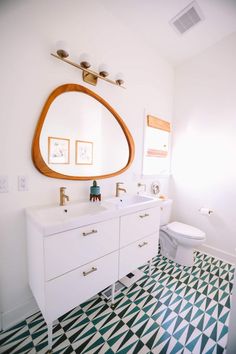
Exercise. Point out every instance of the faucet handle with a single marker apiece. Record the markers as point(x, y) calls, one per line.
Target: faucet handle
point(119, 183)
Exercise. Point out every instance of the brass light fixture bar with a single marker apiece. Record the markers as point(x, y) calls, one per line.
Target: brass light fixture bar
point(89, 76)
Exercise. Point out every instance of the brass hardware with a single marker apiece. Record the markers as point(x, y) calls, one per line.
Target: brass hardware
point(143, 244)
point(94, 269)
point(85, 64)
point(63, 196)
point(103, 70)
point(62, 53)
point(89, 75)
point(144, 215)
point(119, 189)
point(90, 78)
point(120, 82)
point(103, 73)
point(90, 232)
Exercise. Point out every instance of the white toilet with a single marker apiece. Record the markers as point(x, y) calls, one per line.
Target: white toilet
point(178, 240)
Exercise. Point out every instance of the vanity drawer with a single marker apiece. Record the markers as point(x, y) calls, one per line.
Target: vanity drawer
point(138, 225)
point(137, 254)
point(71, 249)
point(71, 289)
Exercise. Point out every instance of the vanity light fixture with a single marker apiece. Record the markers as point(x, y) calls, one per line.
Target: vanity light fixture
point(89, 76)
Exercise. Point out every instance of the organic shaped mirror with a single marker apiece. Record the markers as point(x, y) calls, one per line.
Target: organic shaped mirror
point(80, 136)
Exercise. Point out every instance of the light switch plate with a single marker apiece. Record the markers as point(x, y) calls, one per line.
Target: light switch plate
point(4, 184)
point(23, 183)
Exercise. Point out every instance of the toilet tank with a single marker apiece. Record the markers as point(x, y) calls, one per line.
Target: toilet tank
point(166, 206)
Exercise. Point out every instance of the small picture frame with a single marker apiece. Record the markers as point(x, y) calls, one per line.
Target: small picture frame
point(83, 152)
point(58, 150)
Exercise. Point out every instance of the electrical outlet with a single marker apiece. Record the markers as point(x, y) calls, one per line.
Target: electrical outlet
point(23, 183)
point(3, 184)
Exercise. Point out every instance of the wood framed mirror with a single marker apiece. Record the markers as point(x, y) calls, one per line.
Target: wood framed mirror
point(79, 136)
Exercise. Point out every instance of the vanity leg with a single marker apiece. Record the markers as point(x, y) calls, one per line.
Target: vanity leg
point(49, 325)
point(113, 295)
point(150, 267)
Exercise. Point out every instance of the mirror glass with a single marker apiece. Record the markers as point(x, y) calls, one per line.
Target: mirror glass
point(81, 137)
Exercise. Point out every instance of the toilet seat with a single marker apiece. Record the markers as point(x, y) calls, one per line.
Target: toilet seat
point(179, 229)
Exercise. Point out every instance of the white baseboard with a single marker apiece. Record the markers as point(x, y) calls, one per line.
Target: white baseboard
point(14, 316)
point(216, 252)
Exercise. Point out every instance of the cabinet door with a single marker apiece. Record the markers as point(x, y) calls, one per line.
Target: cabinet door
point(71, 249)
point(137, 254)
point(68, 291)
point(137, 225)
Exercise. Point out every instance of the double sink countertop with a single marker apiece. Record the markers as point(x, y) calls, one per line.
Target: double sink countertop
point(55, 219)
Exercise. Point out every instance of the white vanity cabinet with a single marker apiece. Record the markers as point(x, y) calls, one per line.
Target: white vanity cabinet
point(139, 234)
point(71, 289)
point(137, 225)
point(137, 254)
point(71, 249)
point(70, 265)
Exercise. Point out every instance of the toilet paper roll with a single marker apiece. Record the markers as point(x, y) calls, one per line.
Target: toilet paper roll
point(205, 211)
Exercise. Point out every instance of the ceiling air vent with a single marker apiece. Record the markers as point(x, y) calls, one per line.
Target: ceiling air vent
point(187, 18)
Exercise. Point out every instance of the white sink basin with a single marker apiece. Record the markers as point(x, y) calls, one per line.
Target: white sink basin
point(55, 219)
point(129, 200)
point(70, 211)
point(52, 219)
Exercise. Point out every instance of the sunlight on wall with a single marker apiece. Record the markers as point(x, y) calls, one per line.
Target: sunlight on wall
point(202, 158)
point(156, 156)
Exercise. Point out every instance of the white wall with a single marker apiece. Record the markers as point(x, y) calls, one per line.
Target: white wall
point(204, 145)
point(28, 31)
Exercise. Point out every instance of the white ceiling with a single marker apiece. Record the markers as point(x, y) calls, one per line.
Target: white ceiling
point(149, 19)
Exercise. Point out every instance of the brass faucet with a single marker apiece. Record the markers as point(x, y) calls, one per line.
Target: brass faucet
point(119, 189)
point(63, 196)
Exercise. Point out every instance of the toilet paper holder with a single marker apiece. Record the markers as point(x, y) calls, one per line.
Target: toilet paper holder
point(205, 211)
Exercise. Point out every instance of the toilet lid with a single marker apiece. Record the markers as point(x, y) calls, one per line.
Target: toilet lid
point(185, 230)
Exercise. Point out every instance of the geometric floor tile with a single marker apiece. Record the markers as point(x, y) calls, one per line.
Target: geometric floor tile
point(175, 310)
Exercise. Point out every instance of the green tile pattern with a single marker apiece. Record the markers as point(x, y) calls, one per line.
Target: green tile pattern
point(176, 310)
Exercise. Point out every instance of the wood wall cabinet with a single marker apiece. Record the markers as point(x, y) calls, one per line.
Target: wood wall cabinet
point(69, 267)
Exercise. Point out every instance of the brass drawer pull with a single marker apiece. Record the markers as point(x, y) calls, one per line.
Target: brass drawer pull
point(144, 215)
point(143, 244)
point(90, 232)
point(90, 271)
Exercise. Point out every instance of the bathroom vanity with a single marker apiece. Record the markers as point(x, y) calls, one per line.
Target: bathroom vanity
point(77, 250)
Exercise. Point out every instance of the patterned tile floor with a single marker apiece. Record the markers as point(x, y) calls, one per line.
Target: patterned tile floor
point(175, 310)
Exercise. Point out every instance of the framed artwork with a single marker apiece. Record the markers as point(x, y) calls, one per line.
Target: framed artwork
point(83, 152)
point(58, 150)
